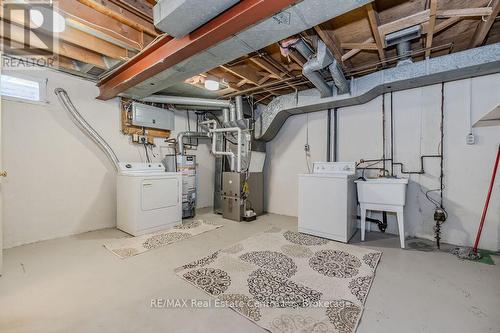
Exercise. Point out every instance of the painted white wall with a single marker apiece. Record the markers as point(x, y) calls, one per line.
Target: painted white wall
point(59, 182)
point(416, 132)
point(286, 158)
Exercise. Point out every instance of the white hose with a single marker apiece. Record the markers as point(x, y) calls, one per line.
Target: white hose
point(86, 127)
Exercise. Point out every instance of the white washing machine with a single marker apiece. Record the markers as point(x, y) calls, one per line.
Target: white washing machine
point(327, 201)
point(148, 198)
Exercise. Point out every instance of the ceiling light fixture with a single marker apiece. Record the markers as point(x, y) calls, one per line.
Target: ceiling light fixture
point(212, 83)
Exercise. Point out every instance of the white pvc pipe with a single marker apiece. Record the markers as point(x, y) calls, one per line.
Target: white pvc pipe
point(238, 154)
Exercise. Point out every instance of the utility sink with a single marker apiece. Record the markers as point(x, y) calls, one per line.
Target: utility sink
point(382, 191)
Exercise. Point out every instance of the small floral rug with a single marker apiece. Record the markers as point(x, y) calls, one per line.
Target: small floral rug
point(286, 281)
point(130, 246)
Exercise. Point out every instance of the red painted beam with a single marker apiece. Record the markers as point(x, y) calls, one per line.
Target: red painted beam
point(168, 51)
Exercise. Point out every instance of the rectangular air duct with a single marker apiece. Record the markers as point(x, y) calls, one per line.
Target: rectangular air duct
point(180, 17)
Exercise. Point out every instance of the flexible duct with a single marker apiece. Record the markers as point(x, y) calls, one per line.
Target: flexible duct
point(182, 135)
point(86, 127)
point(311, 69)
point(339, 78)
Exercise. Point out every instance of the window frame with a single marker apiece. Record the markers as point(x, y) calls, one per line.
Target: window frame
point(42, 84)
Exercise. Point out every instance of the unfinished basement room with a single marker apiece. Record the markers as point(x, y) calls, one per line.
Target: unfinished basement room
point(250, 166)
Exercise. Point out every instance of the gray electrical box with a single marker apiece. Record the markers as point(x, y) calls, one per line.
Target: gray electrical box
point(150, 116)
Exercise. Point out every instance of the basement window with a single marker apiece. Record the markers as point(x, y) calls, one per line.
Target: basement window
point(22, 88)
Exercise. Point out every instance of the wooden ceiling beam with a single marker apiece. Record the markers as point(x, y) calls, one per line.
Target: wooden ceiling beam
point(360, 46)
point(484, 27)
point(17, 34)
point(130, 20)
point(465, 12)
point(374, 21)
point(77, 37)
point(270, 69)
point(442, 25)
point(140, 8)
point(246, 75)
point(403, 23)
point(353, 52)
point(265, 79)
point(432, 23)
point(88, 20)
point(331, 41)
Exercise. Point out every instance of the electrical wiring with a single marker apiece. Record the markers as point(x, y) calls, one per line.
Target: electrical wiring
point(146, 150)
point(307, 148)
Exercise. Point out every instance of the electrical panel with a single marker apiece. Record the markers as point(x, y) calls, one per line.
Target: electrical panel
point(151, 116)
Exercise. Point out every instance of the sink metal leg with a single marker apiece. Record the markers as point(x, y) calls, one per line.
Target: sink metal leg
point(363, 222)
point(401, 227)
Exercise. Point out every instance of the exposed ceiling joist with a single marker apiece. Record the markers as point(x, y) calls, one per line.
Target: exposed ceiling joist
point(353, 52)
point(360, 46)
point(432, 23)
point(76, 37)
point(84, 18)
point(331, 42)
point(167, 52)
point(144, 26)
point(18, 33)
point(465, 12)
point(484, 26)
point(374, 23)
point(247, 75)
point(140, 8)
point(403, 23)
point(269, 68)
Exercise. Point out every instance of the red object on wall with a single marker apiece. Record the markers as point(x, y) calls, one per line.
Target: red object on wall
point(486, 204)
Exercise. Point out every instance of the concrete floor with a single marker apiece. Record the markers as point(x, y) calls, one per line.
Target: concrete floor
point(74, 285)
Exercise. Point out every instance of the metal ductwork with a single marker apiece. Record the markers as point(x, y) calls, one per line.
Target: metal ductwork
point(402, 39)
point(180, 17)
point(238, 103)
point(314, 65)
point(232, 111)
point(312, 70)
point(301, 16)
point(189, 101)
point(404, 53)
point(456, 66)
point(339, 79)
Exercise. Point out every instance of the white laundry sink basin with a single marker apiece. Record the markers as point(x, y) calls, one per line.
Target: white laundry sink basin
point(382, 191)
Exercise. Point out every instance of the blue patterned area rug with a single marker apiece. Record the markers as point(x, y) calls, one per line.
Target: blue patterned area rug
point(286, 281)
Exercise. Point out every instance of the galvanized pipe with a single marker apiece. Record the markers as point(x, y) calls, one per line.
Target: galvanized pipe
point(225, 115)
point(338, 78)
point(238, 101)
point(191, 101)
point(315, 64)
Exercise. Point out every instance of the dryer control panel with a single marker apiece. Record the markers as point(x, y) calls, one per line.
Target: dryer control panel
point(334, 167)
